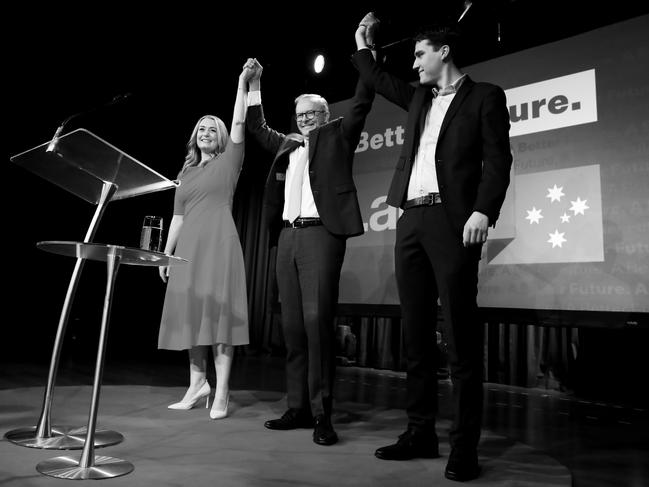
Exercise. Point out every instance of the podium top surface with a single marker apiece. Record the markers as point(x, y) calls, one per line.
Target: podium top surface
point(83, 163)
point(101, 252)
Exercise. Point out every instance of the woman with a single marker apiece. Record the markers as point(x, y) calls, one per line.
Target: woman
point(205, 303)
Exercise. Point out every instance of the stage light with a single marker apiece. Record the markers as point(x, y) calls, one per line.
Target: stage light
point(318, 64)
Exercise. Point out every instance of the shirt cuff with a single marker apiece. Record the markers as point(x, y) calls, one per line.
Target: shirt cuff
point(254, 98)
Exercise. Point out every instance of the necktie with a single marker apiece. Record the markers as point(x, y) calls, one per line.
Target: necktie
point(295, 190)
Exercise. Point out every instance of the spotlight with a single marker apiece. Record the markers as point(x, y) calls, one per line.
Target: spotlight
point(318, 64)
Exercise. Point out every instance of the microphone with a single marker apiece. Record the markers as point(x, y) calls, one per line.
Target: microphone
point(51, 147)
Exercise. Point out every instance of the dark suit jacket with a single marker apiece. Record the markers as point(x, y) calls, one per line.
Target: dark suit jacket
point(473, 156)
point(331, 154)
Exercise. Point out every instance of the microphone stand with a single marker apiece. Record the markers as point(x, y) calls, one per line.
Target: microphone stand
point(51, 147)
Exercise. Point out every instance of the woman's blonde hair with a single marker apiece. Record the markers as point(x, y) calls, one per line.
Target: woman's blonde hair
point(193, 157)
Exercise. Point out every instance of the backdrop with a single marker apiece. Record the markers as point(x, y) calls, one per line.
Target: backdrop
point(573, 233)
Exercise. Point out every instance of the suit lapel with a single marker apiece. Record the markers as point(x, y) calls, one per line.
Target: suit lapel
point(291, 142)
point(417, 110)
point(425, 108)
point(313, 141)
point(460, 96)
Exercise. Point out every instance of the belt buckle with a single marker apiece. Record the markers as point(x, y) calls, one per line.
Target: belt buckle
point(432, 199)
point(306, 222)
point(300, 223)
point(425, 200)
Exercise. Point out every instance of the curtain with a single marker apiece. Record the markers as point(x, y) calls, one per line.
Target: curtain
point(259, 259)
point(531, 356)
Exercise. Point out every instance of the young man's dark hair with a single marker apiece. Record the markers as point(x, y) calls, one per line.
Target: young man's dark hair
point(442, 35)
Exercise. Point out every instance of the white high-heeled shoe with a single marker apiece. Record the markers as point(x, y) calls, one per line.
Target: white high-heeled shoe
point(219, 413)
point(203, 392)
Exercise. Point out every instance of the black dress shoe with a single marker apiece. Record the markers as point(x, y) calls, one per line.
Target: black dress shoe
point(410, 445)
point(290, 420)
point(462, 466)
point(323, 433)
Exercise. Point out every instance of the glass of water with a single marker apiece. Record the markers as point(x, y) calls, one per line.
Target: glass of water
point(151, 236)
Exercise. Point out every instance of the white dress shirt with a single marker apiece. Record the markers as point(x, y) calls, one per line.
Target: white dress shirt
point(307, 205)
point(423, 178)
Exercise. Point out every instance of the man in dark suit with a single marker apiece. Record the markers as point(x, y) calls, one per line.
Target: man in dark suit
point(311, 208)
point(450, 180)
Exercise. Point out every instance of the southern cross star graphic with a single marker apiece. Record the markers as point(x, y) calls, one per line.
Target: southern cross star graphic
point(579, 206)
point(534, 216)
point(557, 216)
point(555, 193)
point(556, 238)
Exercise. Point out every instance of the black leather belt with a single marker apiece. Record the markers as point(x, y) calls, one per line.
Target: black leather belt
point(302, 222)
point(426, 200)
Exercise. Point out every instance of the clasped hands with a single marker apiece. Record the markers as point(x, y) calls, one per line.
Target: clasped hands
point(252, 70)
point(365, 32)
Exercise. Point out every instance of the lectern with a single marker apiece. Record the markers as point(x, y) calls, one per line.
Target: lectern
point(97, 172)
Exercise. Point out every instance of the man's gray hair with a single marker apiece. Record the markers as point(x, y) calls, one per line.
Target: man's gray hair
point(315, 98)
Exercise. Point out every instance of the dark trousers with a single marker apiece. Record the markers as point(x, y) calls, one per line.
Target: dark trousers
point(432, 263)
point(308, 272)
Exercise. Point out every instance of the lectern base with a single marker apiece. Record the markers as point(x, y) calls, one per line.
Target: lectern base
point(63, 438)
point(68, 468)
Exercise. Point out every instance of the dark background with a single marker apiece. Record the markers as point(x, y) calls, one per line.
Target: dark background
point(178, 63)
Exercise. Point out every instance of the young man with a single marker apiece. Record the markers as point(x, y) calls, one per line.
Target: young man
point(450, 181)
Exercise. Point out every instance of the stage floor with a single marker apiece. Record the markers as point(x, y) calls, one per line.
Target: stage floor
point(531, 437)
point(170, 448)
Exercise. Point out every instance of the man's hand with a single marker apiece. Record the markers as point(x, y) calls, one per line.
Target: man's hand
point(256, 69)
point(366, 30)
point(360, 36)
point(247, 71)
point(475, 229)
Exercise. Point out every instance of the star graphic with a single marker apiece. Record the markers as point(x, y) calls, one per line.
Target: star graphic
point(555, 193)
point(579, 206)
point(565, 218)
point(556, 239)
point(534, 216)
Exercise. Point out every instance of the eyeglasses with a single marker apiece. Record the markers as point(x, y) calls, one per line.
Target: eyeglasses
point(309, 115)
